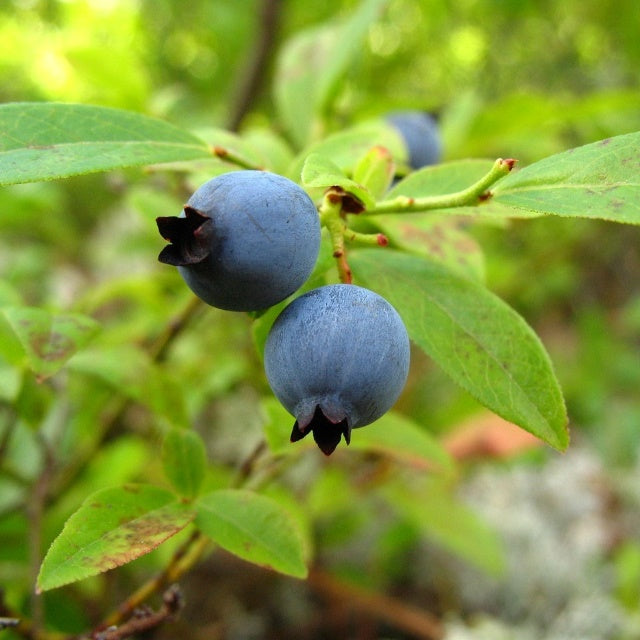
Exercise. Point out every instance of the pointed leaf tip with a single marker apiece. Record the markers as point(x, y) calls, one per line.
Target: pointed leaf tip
point(111, 528)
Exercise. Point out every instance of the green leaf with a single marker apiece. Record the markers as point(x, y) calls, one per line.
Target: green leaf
point(10, 382)
point(483, 344)
point(310, 68)
point(44, 141)
point(112, 527)
point(255, 528)
point(275, 151)
point(9, 296)
point(11, 348)
point(375, 171)
point(116, 462)
point(598, 180)
point(48, 339)
point(185, 461)
point(320, 172)
point(439, 238)
point(396, 436)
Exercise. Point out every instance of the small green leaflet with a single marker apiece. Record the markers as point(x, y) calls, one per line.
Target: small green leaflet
point(112, 527)
point(47, 339)
point(320, 172)
point(345, 148)
point(375, 171)
point(255, 528)
point(483, 344)
point(598, 180)
point(45, 141)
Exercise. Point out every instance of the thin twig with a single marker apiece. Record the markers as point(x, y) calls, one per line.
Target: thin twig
point(182, 560)
point(35, 511)
point(144, 619)
point(420, 624)
point(257, 70)
point(249, 464)
point(7, 432)
point(472, 195)
point(174, 328)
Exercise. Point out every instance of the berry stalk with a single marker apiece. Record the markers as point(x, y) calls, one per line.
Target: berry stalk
point(472, 195)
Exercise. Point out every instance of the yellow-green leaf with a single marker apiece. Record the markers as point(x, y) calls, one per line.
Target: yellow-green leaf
point(255, 528)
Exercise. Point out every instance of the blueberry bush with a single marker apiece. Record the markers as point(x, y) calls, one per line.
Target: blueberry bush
point(145, 428)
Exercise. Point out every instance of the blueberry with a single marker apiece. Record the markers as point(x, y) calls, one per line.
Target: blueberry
point(337, 358)
point(245, 241)
point(420, 133)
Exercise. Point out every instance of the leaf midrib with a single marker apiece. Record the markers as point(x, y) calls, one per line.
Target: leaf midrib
point(493, 358)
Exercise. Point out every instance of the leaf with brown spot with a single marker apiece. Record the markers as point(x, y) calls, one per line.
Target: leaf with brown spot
point(441, 238)
point(48, 339)
point(112, 527)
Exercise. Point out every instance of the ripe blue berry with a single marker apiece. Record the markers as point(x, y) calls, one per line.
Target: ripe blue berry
point(337, 358)
point(245, 241)
point(421, 135)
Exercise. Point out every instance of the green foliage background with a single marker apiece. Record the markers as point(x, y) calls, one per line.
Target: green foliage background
point(511, 78)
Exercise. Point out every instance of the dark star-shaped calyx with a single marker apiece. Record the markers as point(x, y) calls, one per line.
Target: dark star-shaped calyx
point(189, 237)
point(326, 432)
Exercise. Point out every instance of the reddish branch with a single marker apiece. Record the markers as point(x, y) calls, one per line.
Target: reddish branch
point(409, 619)
point(144, 618)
